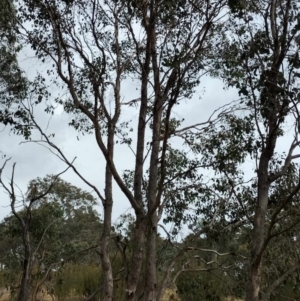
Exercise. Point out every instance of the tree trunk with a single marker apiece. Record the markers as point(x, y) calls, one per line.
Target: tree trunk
point(24, 292)
point(254, 281)
point(104, 254)
point(258, 240)
point(150, 274)
point(134, 273)
point(107, 293)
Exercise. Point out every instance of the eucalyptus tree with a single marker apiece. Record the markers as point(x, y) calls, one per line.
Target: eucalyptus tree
point(261, 60)
point(13, 84)
point(24, 223)
point(93, 47)
point(57, 222)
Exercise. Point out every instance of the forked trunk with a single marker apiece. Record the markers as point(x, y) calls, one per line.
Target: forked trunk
point(135, 267)
point(150, 269)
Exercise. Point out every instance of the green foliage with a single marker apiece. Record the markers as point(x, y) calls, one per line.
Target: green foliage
point(226, 145)
point(201, 286)
point(13, 84)
point(76, 280)
point(62, 225)
point(246, 52)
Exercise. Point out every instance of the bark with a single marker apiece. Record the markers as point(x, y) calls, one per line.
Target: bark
point(37, 286)
point(150, 288)
point(150, 272)
point(135, 267)
point(24, 292)
point(258, 233)
point(107, 293)
point(140, 147)
point(259, 241)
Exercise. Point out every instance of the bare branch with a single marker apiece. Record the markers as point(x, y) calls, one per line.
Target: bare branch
point(43, 235)
point(279, 281)
point(288, 160)
point(226, 109)
point(216, 252)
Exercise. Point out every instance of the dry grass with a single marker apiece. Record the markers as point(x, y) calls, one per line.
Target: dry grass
point(4, 295)
point(170, 295)
point(231, 298)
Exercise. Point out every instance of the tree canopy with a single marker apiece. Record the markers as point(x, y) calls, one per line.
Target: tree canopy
point(185, 176)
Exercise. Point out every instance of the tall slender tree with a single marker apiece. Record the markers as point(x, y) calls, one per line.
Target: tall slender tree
point(94, 46)
point(261, 59)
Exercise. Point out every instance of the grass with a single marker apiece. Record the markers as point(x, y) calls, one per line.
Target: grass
point(170, 295)
point(4, 295)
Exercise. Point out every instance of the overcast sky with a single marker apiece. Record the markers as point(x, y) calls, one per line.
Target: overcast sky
point(36, 161)
point(33, 161)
